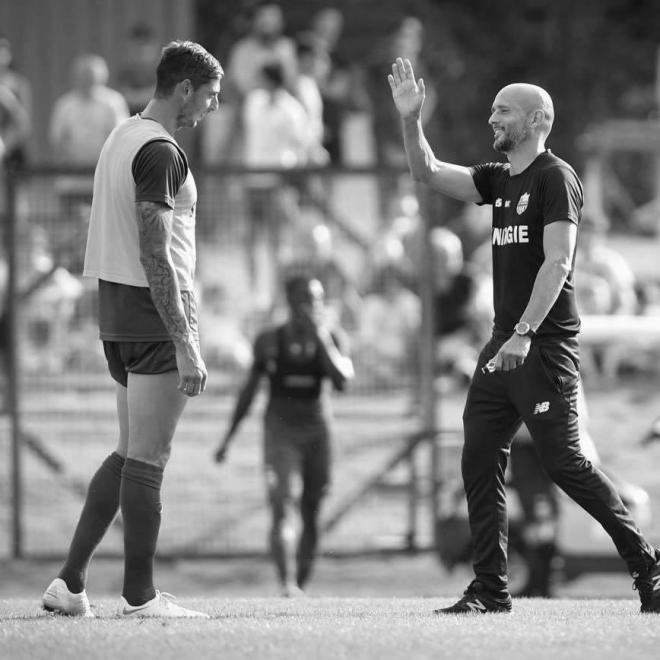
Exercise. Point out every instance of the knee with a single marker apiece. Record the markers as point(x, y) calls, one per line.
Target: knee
point(281, 506)
point(158, 456)
point(560, 468)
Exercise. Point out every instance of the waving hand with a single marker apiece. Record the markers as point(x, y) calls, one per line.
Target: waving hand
point(408, 94)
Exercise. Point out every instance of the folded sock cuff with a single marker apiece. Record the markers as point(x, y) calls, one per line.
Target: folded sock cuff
point(142, 473)
point(114, 463)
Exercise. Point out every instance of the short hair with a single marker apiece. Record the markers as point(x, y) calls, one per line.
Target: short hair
point(298, 285)
point(181, 60)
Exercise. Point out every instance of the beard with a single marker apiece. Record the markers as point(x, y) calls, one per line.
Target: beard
point(509, 140)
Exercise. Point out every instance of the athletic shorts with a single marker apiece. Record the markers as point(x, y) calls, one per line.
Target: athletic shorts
point(297, 459)
point(139, 357)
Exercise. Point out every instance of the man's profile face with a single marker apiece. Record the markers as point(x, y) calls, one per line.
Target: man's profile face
point(199, 103)
point(509, 123)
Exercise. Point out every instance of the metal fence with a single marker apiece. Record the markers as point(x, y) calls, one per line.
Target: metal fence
point(58, 418)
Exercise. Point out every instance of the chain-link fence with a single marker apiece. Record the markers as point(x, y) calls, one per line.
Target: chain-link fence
point(253, 229)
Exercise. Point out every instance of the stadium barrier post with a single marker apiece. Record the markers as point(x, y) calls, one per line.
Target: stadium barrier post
point(12, 376)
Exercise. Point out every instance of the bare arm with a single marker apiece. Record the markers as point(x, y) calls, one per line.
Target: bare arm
point(408, 95)
point(559, 239)
point(155, 231)
point(241, 408)
point(246, 395)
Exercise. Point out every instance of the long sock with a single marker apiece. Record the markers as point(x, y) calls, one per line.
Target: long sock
point(141, 512)
point(100, 509)
point(308, 542)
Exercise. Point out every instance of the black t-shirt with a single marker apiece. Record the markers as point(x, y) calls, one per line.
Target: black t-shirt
point(159, 170)
point(547, 191)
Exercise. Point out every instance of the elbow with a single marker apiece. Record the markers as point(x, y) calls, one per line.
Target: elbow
point(561, 266)
point(564, 266)
point(154, 255)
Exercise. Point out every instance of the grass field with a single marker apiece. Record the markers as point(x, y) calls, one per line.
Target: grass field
point(336, 628)
point(357, 608)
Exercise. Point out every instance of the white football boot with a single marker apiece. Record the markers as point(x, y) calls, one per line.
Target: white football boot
point(161, 606)
point(57, 598)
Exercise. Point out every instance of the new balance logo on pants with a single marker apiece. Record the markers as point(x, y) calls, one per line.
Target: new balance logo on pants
point(541, 407)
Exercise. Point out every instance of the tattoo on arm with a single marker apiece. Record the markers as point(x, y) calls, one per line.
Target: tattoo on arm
point(154, 230)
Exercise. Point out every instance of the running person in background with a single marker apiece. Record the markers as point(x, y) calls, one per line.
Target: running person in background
point(296, 356)
point(528, 371)
point(141, 248)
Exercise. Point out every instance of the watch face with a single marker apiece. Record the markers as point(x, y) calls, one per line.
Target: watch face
point(522, 328)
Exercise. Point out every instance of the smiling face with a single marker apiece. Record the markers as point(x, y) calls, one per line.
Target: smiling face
point(520, 112)
point(509, 121)
point(197, 103)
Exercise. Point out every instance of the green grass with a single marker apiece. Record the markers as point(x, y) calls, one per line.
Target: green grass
point(336, 628)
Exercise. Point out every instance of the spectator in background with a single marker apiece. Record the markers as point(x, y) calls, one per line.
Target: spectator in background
point(296, 357)
point(135, 75)
point(313, 67)
point(80, 122)
point(463, 307)
point(342, 88)
point(604, 284)
point(14, 127)
point(14, 131)
point(389, 324)
point(264, 44)
point(406, 40)
point(276, 136)
point(604, 281)
point(225, 344)
point(84, 117)
point(16, 113)
point(52, 292)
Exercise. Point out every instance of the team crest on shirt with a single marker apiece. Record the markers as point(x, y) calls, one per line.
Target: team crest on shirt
point(522, 203)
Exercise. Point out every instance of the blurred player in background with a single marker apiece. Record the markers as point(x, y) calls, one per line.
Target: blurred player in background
point(528, 371)
point(141, 248)
point(296, 357)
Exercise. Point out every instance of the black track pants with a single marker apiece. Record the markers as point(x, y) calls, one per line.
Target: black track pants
point(542, 392)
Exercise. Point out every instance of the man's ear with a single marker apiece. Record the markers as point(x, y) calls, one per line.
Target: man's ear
point(537, 117)
point(185, 87)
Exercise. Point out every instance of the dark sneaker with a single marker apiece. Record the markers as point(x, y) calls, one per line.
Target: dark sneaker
point(648, 586)
point(478, 600)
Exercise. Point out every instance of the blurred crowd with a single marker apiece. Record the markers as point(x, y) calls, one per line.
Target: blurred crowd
point(289, 102)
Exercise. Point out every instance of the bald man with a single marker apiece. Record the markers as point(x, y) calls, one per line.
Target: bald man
point(528, 370)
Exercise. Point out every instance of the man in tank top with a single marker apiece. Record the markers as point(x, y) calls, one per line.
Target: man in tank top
point(141, 249)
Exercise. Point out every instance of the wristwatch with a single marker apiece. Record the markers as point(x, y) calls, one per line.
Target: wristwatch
point(523, 329)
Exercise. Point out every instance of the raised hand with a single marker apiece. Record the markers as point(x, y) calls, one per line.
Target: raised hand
point(408, 94)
